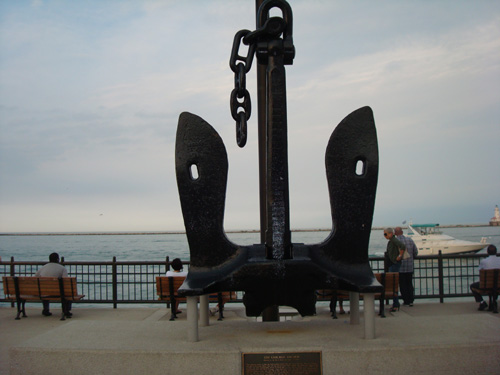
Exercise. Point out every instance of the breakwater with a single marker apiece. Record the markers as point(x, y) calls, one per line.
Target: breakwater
point(136, 233)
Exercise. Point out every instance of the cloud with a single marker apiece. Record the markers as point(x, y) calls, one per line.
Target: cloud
point(90, 97)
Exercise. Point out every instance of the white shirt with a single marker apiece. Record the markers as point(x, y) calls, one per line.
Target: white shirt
point(177, 274)
point(489, 263)
point(52, 270)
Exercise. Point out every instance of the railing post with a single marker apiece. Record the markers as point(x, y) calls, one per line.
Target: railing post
point(441, 277)
point(167, 268)
point(115, 283)
point(12, 268)
point(12, 273)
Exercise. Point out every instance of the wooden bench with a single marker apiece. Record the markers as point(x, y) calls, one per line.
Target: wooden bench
point(22, 289)
point(166, 289)
point(489, 280)
point(389, 280)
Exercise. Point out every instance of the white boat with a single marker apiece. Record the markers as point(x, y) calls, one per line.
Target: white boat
point(430, 240)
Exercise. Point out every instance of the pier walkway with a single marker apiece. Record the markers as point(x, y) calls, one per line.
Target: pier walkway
point(429, 338)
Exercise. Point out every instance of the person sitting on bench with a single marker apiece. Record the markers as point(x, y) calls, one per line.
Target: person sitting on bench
point(177, 272)
point(491, 262)
point(53, 269)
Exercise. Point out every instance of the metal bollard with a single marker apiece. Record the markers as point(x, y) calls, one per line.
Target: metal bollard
point(354, 306)
point(204, 315)
point(192, 318)
point(369, 313)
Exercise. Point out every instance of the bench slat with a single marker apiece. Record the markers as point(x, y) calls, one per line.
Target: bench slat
point(37, 289)
point(390, 280)
point(41, 288)
point(163, 289)
point(168, 293)
point(391, 283)
point(391, 288)
point(487, 278)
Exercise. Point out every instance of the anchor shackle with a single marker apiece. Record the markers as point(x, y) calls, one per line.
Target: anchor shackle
point(263, 17)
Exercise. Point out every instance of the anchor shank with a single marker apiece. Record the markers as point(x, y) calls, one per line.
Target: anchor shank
point(278, 237)
point(261, 121)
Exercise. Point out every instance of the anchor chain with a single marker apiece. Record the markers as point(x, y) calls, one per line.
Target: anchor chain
point(240, 102)
point(240, 97)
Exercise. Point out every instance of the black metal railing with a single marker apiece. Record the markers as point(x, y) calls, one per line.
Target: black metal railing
point(115, 282)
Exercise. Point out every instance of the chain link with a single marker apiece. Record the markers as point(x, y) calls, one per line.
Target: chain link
point(240, 103)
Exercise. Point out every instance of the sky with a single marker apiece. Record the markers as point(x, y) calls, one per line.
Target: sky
point(91, 92)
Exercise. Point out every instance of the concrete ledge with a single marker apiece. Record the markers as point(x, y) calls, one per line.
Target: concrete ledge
point(415, 360)
point(434, 338)
point(36, 361)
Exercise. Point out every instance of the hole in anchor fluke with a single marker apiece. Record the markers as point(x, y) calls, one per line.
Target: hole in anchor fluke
point(360, 167)
point(193, 171)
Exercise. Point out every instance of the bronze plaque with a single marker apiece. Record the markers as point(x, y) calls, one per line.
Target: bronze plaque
point(299, 363)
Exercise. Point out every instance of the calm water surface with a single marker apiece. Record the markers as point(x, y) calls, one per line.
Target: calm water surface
point(158, 246)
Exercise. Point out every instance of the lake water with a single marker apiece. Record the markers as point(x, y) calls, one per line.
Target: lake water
point(156, 247)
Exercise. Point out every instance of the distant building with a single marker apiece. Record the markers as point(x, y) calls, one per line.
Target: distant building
point(495, 220)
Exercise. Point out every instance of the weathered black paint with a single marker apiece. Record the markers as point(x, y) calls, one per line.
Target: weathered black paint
point(278, 272)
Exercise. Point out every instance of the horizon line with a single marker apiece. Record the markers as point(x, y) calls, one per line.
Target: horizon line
point(111, 233)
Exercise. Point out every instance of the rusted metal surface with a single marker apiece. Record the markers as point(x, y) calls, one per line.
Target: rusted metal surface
point(276, 272)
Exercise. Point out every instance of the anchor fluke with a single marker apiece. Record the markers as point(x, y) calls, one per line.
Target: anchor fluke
point(202, 194)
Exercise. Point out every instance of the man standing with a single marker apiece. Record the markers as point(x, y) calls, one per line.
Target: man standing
point(395, 250)
point(406, 270)
point(53, 269)
point(491, 262)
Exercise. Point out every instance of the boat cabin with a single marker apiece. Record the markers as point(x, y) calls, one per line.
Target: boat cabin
point(424, 229)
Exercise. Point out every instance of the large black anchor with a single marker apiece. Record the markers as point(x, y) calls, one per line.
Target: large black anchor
point(276, 272)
